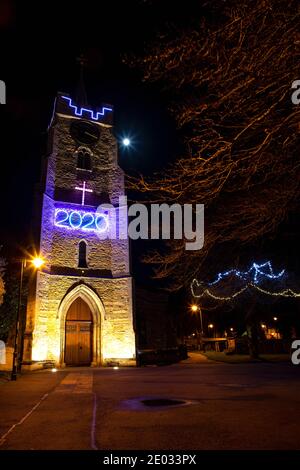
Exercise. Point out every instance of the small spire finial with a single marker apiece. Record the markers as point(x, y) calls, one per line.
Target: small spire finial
point(81, 96)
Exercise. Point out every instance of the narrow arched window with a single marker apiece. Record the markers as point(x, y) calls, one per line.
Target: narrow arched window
point(84, 160)
point(82, 262)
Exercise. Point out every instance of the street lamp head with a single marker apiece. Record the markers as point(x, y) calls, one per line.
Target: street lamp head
point(37, 262)
point(275, 318)
point(194, 308)
point(210, 325)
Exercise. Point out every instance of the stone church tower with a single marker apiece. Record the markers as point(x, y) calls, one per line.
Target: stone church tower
point(80, 310)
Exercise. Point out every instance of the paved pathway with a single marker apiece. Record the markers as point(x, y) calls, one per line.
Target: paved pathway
point(196, 358)
point(228, 406)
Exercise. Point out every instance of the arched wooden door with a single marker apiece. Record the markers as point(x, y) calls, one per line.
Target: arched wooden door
point(79, 333)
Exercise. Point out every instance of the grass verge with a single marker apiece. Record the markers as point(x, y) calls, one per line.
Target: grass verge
point(244, 358)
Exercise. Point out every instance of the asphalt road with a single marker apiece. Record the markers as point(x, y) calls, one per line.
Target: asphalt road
point(228, 406)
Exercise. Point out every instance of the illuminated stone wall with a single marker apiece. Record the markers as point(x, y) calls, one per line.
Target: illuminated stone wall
point(116, 326)
point(107, 178)
point(44, 338)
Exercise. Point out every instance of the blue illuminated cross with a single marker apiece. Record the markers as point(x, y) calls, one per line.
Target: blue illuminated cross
point(84, 190)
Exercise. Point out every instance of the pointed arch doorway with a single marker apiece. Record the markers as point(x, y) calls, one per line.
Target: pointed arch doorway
point(79, 334)
point(96, 306)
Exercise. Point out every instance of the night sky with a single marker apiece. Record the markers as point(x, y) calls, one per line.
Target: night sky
point(40, 42)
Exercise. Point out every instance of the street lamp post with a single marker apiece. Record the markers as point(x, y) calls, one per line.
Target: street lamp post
point(211, 327)
point(15, 353)
point(37, 263)
point(201, 320)
point(276, 327)
point(197, 308)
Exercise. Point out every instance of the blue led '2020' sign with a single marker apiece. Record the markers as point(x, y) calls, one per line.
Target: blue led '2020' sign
point(80, 220)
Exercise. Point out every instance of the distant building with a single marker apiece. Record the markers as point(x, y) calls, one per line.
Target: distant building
point(156, 326)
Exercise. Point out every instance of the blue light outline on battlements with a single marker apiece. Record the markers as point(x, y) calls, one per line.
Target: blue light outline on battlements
point(79, 111)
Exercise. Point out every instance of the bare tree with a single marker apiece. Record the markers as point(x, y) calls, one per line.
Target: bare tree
point(249, 291)
point(229, 84)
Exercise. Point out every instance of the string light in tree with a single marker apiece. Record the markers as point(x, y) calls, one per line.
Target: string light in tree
point(209, 293)
point(283, 293)
point(256, 270)
point(255, 274)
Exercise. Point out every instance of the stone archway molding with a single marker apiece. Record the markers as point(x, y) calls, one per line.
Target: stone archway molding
point(98, 313)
